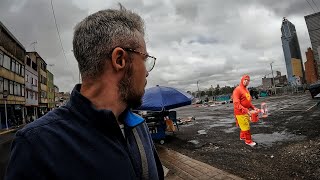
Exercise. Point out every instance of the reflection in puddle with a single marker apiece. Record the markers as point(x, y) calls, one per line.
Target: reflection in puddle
point(269, 139)
point(202, 132)
point(194, 142)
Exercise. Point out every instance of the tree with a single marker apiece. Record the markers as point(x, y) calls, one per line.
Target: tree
point(203, 93)
point(217, 90)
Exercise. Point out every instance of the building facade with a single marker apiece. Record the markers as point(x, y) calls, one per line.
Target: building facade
point(296, 67)
point(313, 25)
point(31, 82)
point(50, 91)
point(311, 67)
point(56, 96)
point(291, 49)
point(42, 86)
point(279, 81)
point(12, 85)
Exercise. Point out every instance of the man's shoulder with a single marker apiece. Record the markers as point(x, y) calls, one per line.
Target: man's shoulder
point(47, 121)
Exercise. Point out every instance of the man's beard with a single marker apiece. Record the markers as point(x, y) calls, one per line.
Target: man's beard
point(128, 94)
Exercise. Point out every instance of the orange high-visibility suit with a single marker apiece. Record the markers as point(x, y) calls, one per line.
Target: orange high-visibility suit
point(242, 102)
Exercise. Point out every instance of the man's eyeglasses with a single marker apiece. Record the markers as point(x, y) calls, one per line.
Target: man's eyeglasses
point(149, 61)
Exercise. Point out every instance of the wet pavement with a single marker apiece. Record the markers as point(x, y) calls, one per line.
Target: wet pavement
point(288, 139)
point(183, 167)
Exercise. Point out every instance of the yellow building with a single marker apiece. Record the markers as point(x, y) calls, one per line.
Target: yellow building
point(297, 69)
point(12, 84)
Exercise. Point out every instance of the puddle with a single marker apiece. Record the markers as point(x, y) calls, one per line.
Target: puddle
point(195, 142)
point(230, 130)
point(269, 139)
point(202, 132)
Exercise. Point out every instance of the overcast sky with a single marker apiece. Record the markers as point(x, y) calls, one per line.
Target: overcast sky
point(210, 41)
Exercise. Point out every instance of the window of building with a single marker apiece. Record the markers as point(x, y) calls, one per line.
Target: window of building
point(11, 90)
point(22, 90)
point(1, 58)
point(5, 84)
point(27, 93)
point(27, 77)
point(34, 66)
point(1, 85)
point(36, 96)
point(18, 89)
point(31, 80)
point(13, 65)
point(22, 70)
point(6, 62)
point(18, 68)
point(28, 61)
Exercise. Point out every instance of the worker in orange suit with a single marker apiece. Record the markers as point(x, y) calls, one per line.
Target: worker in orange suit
point(242, 104)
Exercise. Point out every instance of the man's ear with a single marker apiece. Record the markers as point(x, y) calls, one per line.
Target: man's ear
point(118, 59)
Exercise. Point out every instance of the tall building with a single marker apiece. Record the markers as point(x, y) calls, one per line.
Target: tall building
point(31, 81)
point(313, 25)
point(42, 86)
point(311, 67)
point(12, 85)
point(296, 67)
point(291, 49)
point(50, 90)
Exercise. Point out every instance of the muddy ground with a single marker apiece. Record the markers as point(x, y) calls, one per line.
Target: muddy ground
point(288, 139)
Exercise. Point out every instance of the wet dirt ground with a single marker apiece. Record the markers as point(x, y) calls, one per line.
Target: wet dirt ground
point(288, 139)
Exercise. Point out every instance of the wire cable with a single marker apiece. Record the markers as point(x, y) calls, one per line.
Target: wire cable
point(55, 22)
point(315, 5)
point(310, 6)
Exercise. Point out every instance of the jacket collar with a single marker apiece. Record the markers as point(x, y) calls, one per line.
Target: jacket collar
point(99, 117)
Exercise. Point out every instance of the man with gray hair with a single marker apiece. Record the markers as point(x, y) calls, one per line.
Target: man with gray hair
point(95, 135)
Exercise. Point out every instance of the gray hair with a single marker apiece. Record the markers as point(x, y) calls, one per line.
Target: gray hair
point(98, 34)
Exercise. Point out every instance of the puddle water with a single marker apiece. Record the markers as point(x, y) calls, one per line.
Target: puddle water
point(269, 139)
point(202, 132)
point(194, 142)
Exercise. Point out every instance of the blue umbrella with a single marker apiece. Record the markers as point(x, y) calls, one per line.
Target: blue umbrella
point(161, 98)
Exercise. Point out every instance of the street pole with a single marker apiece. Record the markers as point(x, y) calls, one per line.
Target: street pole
point(275, 89)
point(5, 109)
point(198, 89)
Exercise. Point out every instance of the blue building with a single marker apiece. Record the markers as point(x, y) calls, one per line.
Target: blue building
point(291, 49)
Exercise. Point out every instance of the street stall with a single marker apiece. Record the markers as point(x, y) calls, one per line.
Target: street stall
point(156, 105)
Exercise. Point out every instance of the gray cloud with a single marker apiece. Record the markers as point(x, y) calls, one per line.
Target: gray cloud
point(215, 42)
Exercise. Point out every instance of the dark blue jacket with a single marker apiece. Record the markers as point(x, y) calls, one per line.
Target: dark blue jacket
point(78, 141)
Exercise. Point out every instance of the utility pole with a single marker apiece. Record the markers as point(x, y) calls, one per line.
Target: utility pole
point(275, 89)
point(198, 89)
